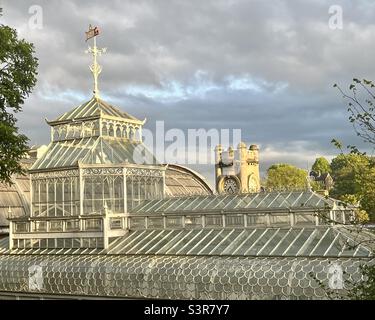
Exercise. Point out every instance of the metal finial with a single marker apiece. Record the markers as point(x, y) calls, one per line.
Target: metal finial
point(95, 68)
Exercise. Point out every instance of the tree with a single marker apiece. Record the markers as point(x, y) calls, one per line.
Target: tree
point(321, 165)
point(367, 191)
point(355, 173)
point(361, 109)
point(354, 176)
point(364, 290)
point(347, 171)
point(285, 177)
point(18, 70)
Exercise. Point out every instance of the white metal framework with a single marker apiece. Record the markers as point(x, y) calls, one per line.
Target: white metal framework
point(93, 172)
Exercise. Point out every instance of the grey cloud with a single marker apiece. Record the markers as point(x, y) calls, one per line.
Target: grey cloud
point(154, 43)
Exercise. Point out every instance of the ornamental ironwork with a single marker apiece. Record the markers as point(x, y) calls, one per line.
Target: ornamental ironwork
point(102, 171)
point(54, 174)
point(143, 172)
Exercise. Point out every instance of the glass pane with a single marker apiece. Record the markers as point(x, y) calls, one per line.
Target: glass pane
point(280, 220)
point(214, 221)
point(56, 225)
point(274, 242)
point(167, 239)
point(137, 223)
point(209, 236)
point(155, 239)
point(245, 244)
point(142, 242)
point(285, 244)
point(304, 219)
point(40, 226)
point(186, 236)
point(22, 227)
point(256, 220)
point(215, 241)
point(174, 221)
point(336, 248)
point(255, 247)
point(306, 239)
point(155, 222)
point(116, 223)
point(324, 244)
point(93, 224)
point(43, 191)
point(193, 242)
point(51, 243)
point(72, 225)
point(193, 221)
point(228, 242)
point(236, 220)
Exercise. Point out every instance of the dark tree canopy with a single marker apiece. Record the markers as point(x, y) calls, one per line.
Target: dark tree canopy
point(18, 70)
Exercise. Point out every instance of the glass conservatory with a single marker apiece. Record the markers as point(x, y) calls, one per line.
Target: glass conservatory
point(94, 171)
point(102, 218)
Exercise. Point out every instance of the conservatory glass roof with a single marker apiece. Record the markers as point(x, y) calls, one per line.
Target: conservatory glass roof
point(255, 201)
point(93, 150)
point(15, 197)
point(177, 277)
point(315, 242)
point(291, 242)
point(181, 181)
point(92, 108)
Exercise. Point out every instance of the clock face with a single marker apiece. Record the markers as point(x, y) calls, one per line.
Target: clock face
point(230, 186)
point(253, 184)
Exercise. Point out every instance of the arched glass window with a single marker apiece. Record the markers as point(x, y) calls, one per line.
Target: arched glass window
point(104, 129)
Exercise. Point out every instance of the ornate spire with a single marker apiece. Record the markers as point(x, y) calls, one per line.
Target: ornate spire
point(95, 68)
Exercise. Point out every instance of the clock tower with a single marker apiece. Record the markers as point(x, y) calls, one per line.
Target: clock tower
point(237, 171)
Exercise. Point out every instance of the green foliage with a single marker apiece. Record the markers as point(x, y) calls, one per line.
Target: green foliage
point(285, 177)
point(350, 199)
point(317, 185)
point(337, 144)
point(18, 70)
point(347, 172)
point(321, 165)
point(364, 289)
point(367, 192)
point(354, 173)
point(362, 216)
point(354, 176)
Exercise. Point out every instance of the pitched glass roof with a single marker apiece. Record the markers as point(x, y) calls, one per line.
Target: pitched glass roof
point(99, 150)
point(264, 242)
point(255, 201)
point(92, 108)
point(65, 153)
point(291, 242)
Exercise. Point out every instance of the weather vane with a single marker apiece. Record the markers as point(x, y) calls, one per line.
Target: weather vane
point(95, 68)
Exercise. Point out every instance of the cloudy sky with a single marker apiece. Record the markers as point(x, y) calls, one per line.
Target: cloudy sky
point(265, 67)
